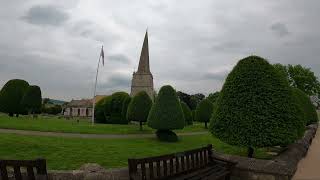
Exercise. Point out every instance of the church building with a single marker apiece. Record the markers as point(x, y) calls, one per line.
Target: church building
point(142, 80)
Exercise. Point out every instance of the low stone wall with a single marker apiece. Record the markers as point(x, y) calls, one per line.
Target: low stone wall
point(281, 167)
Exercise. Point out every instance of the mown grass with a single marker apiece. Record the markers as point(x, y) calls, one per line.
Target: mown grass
point(71, 153)
point(54, 124)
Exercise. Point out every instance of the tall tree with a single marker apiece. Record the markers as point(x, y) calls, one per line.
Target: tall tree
point(139, 108)
point(300, 77)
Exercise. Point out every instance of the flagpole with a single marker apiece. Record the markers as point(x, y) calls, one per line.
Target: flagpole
point(94, 92)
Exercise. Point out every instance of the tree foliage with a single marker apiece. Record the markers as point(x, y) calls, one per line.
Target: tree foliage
point(139, 108)
point(300, 77)
point(166, 113)
point(204, 111)
point(306, 107)
point(187, 113)
point(11, 95)
point(125, 106)
point(99, 108)
point(113, 108)
point(256, 107)
point(32, 99)
point(213, 96)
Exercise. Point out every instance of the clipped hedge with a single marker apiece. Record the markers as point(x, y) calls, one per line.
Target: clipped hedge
point(166, 113)
point(204, 111)
point(11, 96)
point(139, 108)
point(99, 108)
point(187, 113)
point(125, 106)
point(32, 99)
point(308, 110)
point(113, 108)
point(256, 107)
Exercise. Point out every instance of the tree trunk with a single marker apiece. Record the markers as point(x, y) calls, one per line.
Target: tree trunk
point(205, 125)
point(11, 114)
point(140, 126)
point(250, 152)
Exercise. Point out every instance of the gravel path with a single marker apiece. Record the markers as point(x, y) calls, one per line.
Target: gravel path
point(309, 167)
point(96, 136)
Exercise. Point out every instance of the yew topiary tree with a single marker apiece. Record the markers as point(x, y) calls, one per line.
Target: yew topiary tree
point(11, 95)
point(32, 99)
point(308, 109)
point(99, 110)
point(139, 108)
point(187, 113)
point(204, 111)
point(125, 106)
point(113, 108)
point(166, 114)
point(256, 107)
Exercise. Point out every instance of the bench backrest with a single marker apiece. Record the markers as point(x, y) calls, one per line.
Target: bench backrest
point(170, 165)
point(30, 165)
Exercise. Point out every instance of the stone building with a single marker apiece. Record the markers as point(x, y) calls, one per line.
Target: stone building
point(78, 108)
point(142, 80)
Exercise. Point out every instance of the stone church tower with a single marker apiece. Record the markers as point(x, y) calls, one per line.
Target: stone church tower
point(142, 80)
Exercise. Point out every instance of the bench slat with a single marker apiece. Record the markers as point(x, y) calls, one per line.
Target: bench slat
point(17, 172)
point(193, 164)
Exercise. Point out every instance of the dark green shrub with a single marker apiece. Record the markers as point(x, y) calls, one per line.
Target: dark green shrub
point(308, 110)
point(204, 111)
point(166, 113)
point(256, 107)
point(54, 110)
point(32, 99)
point(166, 135)
point(139, 108)
point(125, 106)
point(187, 113)
point(99, 116)
point(113, 108)
point(11, 95)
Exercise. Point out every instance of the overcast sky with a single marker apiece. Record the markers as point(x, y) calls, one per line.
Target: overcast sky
point(193, 44)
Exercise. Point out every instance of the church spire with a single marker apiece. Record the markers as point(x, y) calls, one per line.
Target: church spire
point(144, 57)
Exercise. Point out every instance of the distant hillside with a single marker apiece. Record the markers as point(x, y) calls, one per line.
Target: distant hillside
point(56, 102)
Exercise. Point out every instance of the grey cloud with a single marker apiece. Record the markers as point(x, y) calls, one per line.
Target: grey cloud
point(118, 58)
point(46, 15)
point(116, 82)
point(216, 75)
point(279, 29)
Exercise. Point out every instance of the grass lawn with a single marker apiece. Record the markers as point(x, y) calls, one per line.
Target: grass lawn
point(53, 124)
point(71, 153)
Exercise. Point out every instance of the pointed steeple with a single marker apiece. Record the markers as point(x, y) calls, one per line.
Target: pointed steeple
point(144, 57)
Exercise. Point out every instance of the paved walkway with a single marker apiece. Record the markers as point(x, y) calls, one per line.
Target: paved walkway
point(96, 136)
point(309, 167)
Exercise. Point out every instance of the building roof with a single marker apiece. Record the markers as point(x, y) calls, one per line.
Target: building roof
point(80, 103)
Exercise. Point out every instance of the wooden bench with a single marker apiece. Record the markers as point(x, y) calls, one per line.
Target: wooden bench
point(193, 164)
point(29, 165)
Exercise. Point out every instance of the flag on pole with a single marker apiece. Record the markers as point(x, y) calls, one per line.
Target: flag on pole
point(102, 55)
